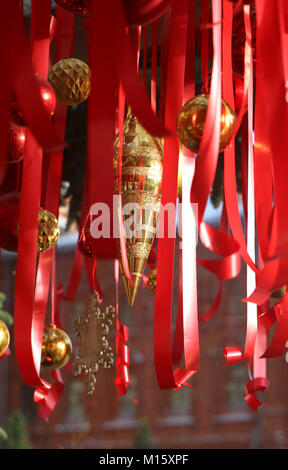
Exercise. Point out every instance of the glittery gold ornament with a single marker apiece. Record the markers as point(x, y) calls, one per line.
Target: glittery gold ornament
point(141, 181)
point(4, 338)
point(152, 276)
point(191, 121)
point(70, 79)
point(94, 350)
point(56, 348)
point(48, 230)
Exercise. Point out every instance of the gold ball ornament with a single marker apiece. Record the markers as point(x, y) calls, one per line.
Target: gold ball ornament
point(48, 230)
point(191, 121)
point(4, 338)
point(152, 276)
point(70, 79)
point(56, 348)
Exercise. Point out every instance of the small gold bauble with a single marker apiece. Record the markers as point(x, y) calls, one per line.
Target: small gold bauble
point(48, 230)
point(56, 348)
point(152, 276)
point(191, 121)
point(4, 338)
point(70, 79)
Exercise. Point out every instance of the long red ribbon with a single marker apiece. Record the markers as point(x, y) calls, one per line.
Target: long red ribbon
point(28, 345)
point(23, 79)
point(167, 377)
point(251, 332)
point(28, 327)
point(122, 380)
point(47, 261)
point(270, 145)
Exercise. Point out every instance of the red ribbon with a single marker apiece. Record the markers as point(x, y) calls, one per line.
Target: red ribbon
point(259, 367)
point(6, 31)
point(164, 62)
point(122, 380)
point(167, 377)
point(258, 384)
point(5, 354)
point(228, 266)
point(280, 313)
point(204, 42)
point(230, 189)
point(271, 120)
point(23, 79)
point(47, 396)
point(47, 262)
point(216, 240)
point(29, 326)
point(229, 155)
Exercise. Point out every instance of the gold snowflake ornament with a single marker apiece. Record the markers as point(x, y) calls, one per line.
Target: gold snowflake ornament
point(93, 348)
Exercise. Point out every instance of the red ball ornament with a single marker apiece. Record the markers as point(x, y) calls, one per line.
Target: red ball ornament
point(138, 12)
point(238, 36)
point(16, 143)
point(85, 242)
point(9, 219)
point(47, 96)
point(78, 7)
point(141, 12)
point(238, 88)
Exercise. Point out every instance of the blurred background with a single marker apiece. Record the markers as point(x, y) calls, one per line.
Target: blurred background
point(210, 414)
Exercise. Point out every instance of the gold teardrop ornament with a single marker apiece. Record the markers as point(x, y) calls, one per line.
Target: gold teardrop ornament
point(141, 182)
